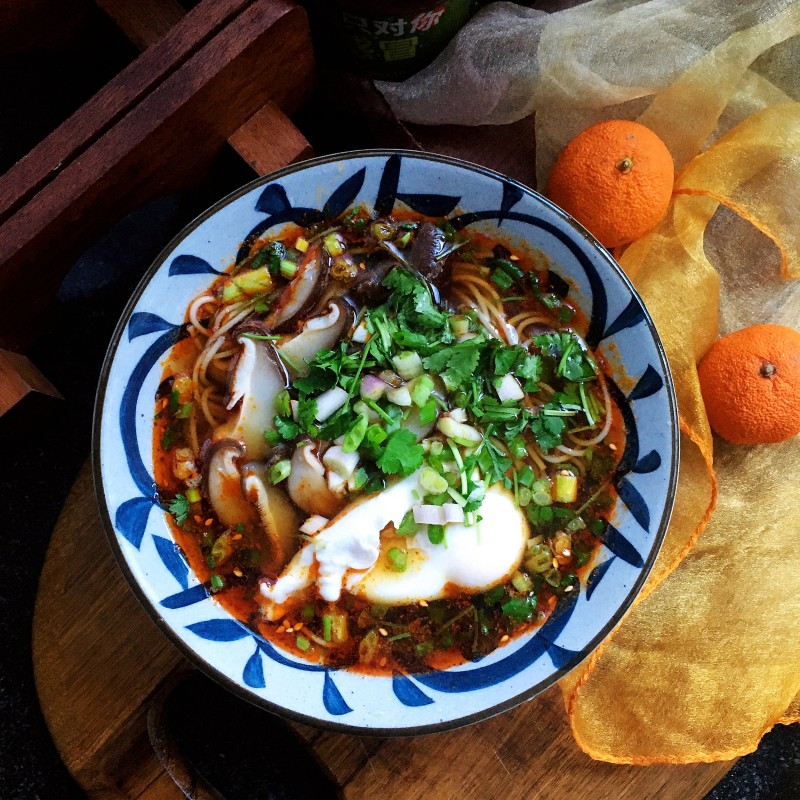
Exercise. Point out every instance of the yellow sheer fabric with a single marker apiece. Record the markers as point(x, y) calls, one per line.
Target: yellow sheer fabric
point(709, 657)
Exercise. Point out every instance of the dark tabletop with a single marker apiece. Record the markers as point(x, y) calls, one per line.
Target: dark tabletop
point(42, 457)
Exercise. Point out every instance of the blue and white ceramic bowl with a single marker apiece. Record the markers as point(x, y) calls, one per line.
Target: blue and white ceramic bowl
point(235, 655)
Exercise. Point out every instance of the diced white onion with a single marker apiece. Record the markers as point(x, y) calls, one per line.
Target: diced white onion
point(458, 414)
point(360, 334)
point(459, 430)
point(372, 388)
point(509, 389)
point(399, 395)
point(428, 515)
point(314, 524)
point(453, 512)
point(295, 406)
point(336, 460)
point(330, 402)
point(408, 365)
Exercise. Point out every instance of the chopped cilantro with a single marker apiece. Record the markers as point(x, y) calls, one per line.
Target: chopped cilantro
point(547, 429)
point(457, 363)
point(179, 508)
point(287, 429)
point(307, 414)
point(412, 302)
point(402, 454)
point(169, 437)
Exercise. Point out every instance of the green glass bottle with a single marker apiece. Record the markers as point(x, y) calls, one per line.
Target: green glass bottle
point(392, 39)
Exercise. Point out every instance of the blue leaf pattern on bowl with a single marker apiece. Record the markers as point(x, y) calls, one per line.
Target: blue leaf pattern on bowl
point(172, 559)
point(408, 693)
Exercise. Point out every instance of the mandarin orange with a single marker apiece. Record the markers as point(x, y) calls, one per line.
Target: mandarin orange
point(616, 179)
point(750, 381)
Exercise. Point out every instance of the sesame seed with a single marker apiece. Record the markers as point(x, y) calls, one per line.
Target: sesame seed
point(566, 552)
point(505, 638)
point(383, 662)
point(612, 446)
point(423, 603)
point(236, 537)
point(513, 258)
point(237, 572)
point(555, 563)
point(383, 632)
point(197, 518)
point(208, 522)
point(568, 589)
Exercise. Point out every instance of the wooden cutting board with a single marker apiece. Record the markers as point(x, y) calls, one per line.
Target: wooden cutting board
point(103, 672)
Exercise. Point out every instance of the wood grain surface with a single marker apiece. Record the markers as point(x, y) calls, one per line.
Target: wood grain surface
point(102, 669)
point(185, 106)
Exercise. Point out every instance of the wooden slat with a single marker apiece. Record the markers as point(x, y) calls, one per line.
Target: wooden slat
point(269, 140)
point(98, 115)
point(19, 379)
point(164, 142)
point(144, 22)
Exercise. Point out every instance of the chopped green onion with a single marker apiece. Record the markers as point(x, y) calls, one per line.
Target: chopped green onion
point(521, 582)
point(459, 324)
point(539, 559)
point(435, 534)
point(382, 230)
point(398, 558)
point(354, 437)
point(280, 471)
point(333, 244)
point(421, 390)
point(566, 487)
point(327, 627)
point(408, 365)
point(217, 583)
point(307, 612)
point(339, 632)
point(502, 280)
point(193, 494)
point(432, 482)
point(303, 644)
point(288, 269)
point(407, 526)
point(519, 608)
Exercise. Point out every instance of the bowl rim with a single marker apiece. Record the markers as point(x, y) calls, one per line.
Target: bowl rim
point(195, 658)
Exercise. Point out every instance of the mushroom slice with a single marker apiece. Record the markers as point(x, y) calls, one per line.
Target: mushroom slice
point(305, 288)
point(257, 377)
point(279, 519)
point(222, 482)
point(318, 333)
point(307, 486)
point(428, 246)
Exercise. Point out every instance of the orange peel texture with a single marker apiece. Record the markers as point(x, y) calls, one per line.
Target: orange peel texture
point(616, 179)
